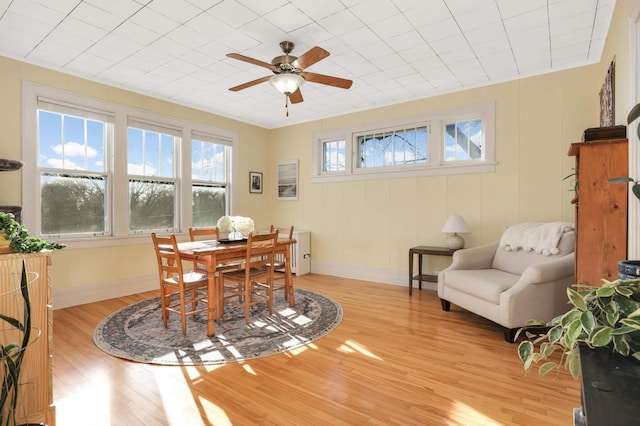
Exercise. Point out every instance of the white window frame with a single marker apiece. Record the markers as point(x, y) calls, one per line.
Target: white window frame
point(435, 164)
point(118, 190)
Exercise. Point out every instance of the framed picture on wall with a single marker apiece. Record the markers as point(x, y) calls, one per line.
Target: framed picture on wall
point(255, 182)
point(288, 180)
point(607, 97)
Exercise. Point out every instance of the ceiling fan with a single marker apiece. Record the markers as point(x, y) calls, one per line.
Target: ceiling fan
point(289, 72)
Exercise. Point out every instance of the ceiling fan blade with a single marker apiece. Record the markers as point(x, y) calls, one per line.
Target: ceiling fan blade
point(250, 83)
point(328, 80)
point(296, 97)
point(249, 60)
point(312, 56)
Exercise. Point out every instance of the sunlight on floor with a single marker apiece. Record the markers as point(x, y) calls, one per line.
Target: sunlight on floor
point(180, 403)
point(353, 347)
point(462, 414)
point(91, 406)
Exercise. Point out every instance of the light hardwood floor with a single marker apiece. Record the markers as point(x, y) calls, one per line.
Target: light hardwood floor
point(394, 359)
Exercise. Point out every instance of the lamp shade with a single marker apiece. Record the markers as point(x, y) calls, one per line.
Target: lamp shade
point(286, 83)
point(456, 225)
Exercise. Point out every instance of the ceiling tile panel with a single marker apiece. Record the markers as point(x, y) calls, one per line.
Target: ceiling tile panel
point(393, 50)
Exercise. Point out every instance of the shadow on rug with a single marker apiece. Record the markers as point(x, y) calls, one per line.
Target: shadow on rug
point(136, 333)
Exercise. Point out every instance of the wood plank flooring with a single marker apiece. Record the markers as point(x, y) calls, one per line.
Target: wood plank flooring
point(394, 359)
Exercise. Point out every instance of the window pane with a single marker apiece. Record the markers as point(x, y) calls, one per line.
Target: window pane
point(463, 140)
point(209, 204)
point(151, 205)
point(393, 148)
point(208, 161)
point(71, 143)
point(333, 153)
point(150, 153)
point(72, 204)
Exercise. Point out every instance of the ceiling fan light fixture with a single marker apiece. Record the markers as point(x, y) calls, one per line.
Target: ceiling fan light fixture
point(286, 82)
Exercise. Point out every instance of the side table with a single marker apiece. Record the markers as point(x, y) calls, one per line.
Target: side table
point(422, 251)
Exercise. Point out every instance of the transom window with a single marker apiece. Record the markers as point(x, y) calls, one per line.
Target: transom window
point(443, 142)
point(393, 147)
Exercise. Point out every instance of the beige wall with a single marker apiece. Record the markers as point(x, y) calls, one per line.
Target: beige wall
point(372, 224)
point(364, 228)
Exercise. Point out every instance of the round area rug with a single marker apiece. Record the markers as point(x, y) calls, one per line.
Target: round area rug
point(136, 332)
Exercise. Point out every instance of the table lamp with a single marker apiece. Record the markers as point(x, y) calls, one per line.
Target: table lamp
point(455, 225)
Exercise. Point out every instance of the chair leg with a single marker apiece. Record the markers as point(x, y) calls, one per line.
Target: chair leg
point(446, 305)
point(183, 316)
point(165, 302)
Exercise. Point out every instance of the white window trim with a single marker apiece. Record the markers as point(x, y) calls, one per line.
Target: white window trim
point(435, 165)
point(119, 187)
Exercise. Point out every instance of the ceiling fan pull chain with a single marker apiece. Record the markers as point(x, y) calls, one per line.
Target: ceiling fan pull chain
point(286, 104)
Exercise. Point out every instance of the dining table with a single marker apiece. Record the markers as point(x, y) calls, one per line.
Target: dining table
point(213, 253)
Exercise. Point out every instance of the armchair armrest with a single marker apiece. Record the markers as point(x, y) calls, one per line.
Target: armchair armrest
point(480, 257)
point(549, 271)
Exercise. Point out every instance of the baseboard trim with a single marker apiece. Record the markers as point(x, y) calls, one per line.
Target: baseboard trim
point(73, 296)
point(366, 273)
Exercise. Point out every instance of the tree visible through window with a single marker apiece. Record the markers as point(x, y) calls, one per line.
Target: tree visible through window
point(152, 177)
point(209, 174)
point(73, 171)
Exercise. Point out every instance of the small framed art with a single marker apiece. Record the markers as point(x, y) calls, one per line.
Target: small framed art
point(288, 180)
point(255, 182)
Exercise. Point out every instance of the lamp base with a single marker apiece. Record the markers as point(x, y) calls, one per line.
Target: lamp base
point(455, 242)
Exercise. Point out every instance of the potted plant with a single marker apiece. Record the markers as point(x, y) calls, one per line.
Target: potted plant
point(19, 239)
point(13, 352)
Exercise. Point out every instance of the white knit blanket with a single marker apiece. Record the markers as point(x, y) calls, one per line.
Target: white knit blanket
point(542, 238)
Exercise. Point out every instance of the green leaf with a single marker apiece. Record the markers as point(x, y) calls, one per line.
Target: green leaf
point(623, 330)
point(605, 291)
point(620, 179)
point(588, 321)
point(576, 299)
point(633, 314)
point(627, 306)
point(546, 367)
point(555, 334)
point(624, 291)
point(612, 318)
point(572, 333)
point(570, 317)
point(636, 190)
point(524, 350)
point(601, 336)
point(630, 322)
point(621, 345)
point(573, 361)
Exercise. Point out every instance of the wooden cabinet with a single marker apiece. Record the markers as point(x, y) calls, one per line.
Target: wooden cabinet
point(601, 209)
point(36, 399)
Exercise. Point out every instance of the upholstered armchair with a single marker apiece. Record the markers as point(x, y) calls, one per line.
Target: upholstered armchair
point(523, 276)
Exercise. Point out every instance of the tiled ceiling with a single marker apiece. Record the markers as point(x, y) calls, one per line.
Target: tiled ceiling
point(393, 50)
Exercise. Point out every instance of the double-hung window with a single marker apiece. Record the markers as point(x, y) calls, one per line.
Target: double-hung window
point(99, 173)
point(151, 167)
point(455, 141)
point(74, 169)
point(210, 165)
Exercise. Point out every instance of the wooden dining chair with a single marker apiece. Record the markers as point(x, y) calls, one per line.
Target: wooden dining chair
point(253, 283)
point(279, 266)
point(196, 234)
point(179, 290)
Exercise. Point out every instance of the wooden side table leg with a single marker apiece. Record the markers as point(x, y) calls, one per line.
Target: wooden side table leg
point(410, 271)
point(420, 271)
